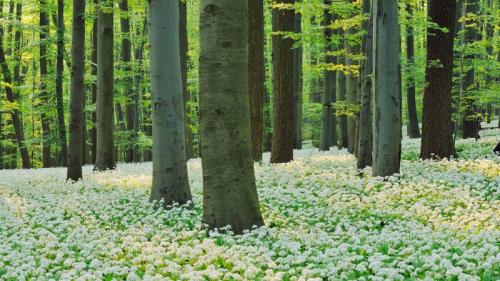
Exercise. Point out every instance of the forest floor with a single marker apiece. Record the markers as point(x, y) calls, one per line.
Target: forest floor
point(325, 221)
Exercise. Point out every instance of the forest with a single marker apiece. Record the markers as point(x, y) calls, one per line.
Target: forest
point(250, 140)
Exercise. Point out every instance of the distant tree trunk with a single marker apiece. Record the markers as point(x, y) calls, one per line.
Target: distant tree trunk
point(387, 89)
point(59, 82)
point(365, 116)
point(138, 85)
point(44, 31)
point(105, 78)
point(437, 126)
point(282, 146)
point(126, 55)
point(183, 37)
point(352, 88)
point(170, 175)
point(1, 125)
point(297, 84)
point(329, 84)
point(341, 80)
point(94, 88)
point(470, 118)
point(77, 92)
point(12, 97)
point(229, 191)
point(256, 74)
point(412, 127)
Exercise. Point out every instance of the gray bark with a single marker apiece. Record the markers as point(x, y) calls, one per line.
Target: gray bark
point(77, 92)
point(170, 176)
point(387, 89)
point(105, 86)
point(297, 85)
point(229, 191)
point(327, 128)
point(341, 87)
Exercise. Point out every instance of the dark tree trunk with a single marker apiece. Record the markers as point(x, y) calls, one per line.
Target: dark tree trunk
point(437, 126)
point(93, 55)
point(327, 128)
point(77, 92)
point(13, 97)
point(341, 80)
point(412, 127)
point(59, 82)
point(44, 31)
point(297, 85)
point(184, 48)
point(282, 146)
point(256, 73)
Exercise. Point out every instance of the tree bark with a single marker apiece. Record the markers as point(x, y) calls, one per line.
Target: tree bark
point(59, 82)
point(387, 89)
point(283, 90)
point(256, 74)
point(77, 92)
point(329, 85)
point(229, 191)
point(365, 116)
point(352, 88)
point(13, 97)
point(341, 80)
point(184, 48)
point(44, 31)
point(93, 55)
point(105, 79)
point(170, 175)
point(437, 126)
point(297, 84)
point(412, 127)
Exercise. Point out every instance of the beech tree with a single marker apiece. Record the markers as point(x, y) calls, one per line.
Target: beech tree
point(77, 92)
point(412, 126)
point(229, 190)
point(387, 89)
point(282, 144)
point(329, 92)
point(437, 126)
point(105, 154)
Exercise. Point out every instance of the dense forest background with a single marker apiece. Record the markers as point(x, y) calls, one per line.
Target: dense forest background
point(35, 37)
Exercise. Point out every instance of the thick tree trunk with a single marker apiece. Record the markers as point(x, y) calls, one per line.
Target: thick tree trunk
point(105, 78)
point(387, 89)
point(329, 85)
point(44, 31)
point(470, 118)
point(59, 82)
point(297, 85)
point(126, 55)
point(437, 126)
point(412, 127)
point(93, 132)
point(77, 92)
point(183, 41)
point(341, 80)
point(170, 175)
point(256, 74)
point(282, 146)
point(13, 97)
point(365, 116)
point(229, 191)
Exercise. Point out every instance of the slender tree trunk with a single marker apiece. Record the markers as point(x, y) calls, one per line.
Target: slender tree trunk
point(437, 126)
point(282, 146)
point(59, 82)
point(341, 80)
point(126, 55)
point(329, 84)
point(13, 97)
point(297, 84)
point(256, 74)
point(183, 37)
point(44, 31)
point(93, 132)
point(412, 127)
point(77, 92)
point(470, 118)
point(170, 176)
point(139, 73)
point(229, 191)
point(105, 78)
point(387, 89)
point(365, 116)
point(1, 125)
point(352, 88)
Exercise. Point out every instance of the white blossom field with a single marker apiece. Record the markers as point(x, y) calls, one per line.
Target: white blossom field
point(324, 221)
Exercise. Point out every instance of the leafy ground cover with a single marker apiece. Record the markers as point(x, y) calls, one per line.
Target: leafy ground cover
point(324, 221)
